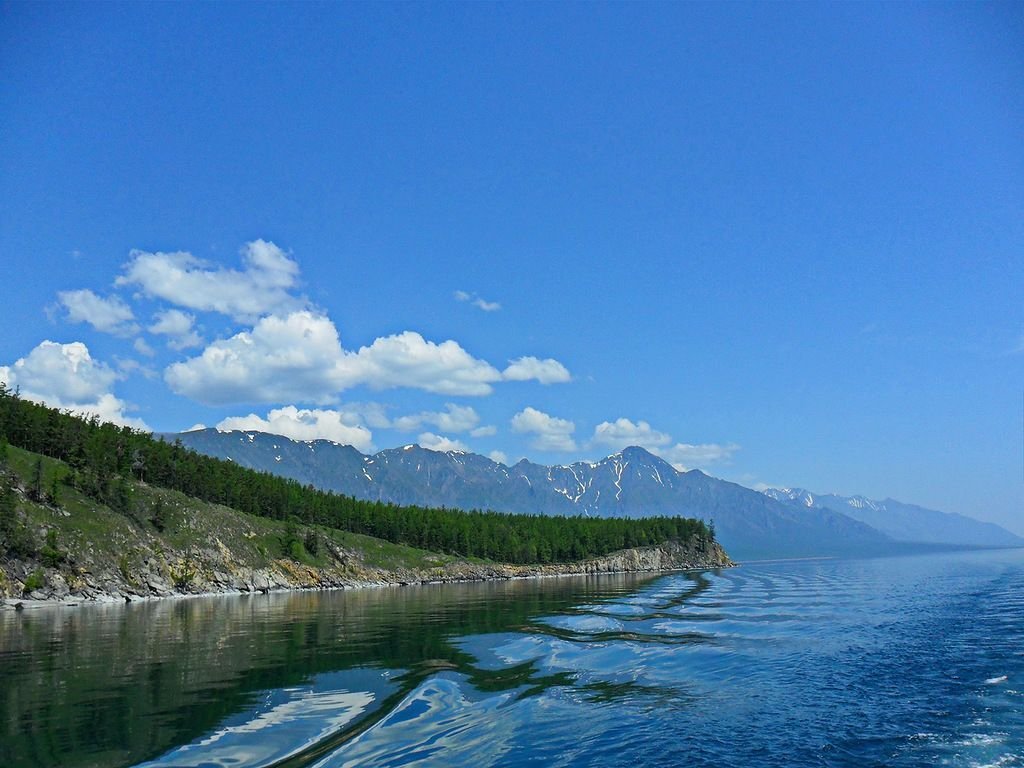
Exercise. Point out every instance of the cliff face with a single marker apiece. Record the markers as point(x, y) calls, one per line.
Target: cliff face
point(65, 546)
point(216, 570)
point(669, 556)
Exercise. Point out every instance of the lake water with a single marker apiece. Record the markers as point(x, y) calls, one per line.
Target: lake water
point(913, 661)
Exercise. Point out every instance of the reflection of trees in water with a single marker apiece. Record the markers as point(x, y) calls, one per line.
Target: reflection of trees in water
point(118, 684)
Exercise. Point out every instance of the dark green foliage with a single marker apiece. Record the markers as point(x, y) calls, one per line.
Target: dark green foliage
point(158, 516)
point(35, 491)
point(36, 580)
point(15, 537)
point(22, 544)
point(119, 496)
point(291, 545)
point(8, 507)
point(103, 456)
point(312, 542)
point(53, 494)
point(51, 554)
point(297, 552)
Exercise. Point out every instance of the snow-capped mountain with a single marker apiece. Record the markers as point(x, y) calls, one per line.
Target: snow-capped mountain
point(903, 522)
point(631, 483)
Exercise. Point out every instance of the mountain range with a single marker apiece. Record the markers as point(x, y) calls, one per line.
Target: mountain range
point(903, 522)
point(631, 483)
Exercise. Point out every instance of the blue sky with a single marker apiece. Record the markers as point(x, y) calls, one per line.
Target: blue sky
point(781, 243)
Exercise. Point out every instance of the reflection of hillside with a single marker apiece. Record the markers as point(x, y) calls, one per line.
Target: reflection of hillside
point(118, 684)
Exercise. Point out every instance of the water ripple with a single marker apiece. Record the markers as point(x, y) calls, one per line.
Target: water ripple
point(890, 662)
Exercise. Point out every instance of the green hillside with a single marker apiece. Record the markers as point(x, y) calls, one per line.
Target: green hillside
point(77, 496)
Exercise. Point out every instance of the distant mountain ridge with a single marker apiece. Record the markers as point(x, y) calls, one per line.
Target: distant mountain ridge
point(903, 522)
point(631, 483)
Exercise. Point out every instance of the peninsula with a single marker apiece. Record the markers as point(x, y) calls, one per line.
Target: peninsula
point(92, 511)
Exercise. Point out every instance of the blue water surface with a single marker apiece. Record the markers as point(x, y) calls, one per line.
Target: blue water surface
point(908, 661)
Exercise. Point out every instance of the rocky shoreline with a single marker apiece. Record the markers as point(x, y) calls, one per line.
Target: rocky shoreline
point(219, 575)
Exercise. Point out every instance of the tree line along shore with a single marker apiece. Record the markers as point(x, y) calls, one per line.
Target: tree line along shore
point(65, 480)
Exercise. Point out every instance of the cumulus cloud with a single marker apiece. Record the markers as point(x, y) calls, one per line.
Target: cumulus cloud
point(477, 301)
point(295, 358)
point(127, 366)
point(621, 433)
point(549, 432)
point(178, 326)
point(408, 360)
point(305, 424)
point(548, 371)
point(498, 457)
point(454, 418)
point(487, 431)
point(66, 376)
point(143, 348)
point(109, 315)
point(263, 286)
point(684, 456)
point(299, 358)
point(433, 442)
point(373, 415)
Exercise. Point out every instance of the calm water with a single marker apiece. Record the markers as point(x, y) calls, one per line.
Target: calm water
point(912, 661)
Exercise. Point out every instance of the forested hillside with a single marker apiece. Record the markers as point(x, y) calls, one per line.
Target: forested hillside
point(101, 459)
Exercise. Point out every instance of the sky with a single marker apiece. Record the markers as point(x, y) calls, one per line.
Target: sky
point(780, 243)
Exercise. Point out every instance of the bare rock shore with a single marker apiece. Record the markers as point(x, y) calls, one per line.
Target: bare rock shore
point(214, 571)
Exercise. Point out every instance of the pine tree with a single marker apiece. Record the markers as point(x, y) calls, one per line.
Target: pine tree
point(36, 488)
point(8, 508)
point(158, 516)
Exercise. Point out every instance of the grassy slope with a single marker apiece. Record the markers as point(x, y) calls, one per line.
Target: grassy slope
point(198, 540)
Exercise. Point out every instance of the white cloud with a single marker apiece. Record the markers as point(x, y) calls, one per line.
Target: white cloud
point(178, 326)
point(65, 376)
point(143, 348)
point(548, 371)
point(477, 301)
point(305, 424)
point(454, 418)
point(487, 431)
point(294, 358)
point(550, 433)
point(262, 287)
point(499, 457)
point(408, 360)
point(622, 433)
point(299, 358)
point(195, 428)
point(373, 415)
point(684, 456)
point(128, 366)
point(433, 442)
point(109, 315)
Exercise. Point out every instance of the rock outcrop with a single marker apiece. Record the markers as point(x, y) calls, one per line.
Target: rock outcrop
point(213, 571)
